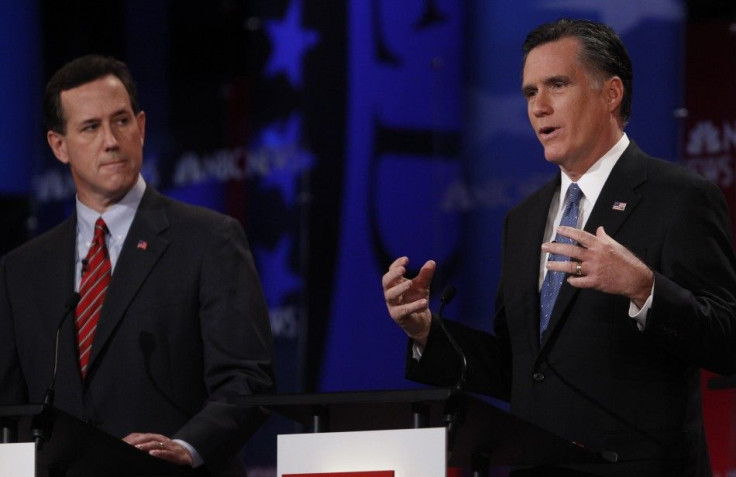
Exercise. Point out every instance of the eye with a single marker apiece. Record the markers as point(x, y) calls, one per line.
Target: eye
point(90, 127)
point(559, 84)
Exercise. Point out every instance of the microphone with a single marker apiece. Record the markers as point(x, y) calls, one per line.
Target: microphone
point(85, 266)
point(71, 304)
point(445, 299)
point(41, 423)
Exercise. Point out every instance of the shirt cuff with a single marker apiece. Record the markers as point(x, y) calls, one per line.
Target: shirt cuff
point(640, 314)
point(196, 458)
point(416, 350)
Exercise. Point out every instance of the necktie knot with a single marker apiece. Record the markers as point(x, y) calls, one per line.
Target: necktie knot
point(574, 194)
point(100, 231)
point(571, 211)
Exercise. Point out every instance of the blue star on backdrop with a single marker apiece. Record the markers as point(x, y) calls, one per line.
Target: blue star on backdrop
point(290, 160)
point(273, 266)
point(290, 42)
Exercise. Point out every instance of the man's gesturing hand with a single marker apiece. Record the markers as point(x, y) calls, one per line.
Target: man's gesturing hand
point(601, 263)
point(407, 300)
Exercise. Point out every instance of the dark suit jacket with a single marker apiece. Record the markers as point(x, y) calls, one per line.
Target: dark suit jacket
point(184, 326)
point(596, 379)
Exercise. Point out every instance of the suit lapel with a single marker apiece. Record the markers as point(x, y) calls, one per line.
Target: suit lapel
point(141, 250)
point(616, 202)
point(60, 255)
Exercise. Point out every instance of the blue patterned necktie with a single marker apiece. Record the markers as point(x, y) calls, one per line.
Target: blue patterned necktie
point(553, 280)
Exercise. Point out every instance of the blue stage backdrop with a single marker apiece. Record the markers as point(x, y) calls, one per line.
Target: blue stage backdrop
point(20, 106)
point(439, 148)
point(342, 135)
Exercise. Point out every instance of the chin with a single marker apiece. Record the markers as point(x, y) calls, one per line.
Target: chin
point(555, 159)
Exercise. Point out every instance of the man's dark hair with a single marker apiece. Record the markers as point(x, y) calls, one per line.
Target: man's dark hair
point(602, 51)
point(76, 73)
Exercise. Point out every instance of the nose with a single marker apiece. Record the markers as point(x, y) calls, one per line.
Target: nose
point(539, 105)
point(110, 138)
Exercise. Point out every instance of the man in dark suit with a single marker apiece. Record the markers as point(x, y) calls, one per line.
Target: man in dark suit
point(646, 266)
point(182, 325)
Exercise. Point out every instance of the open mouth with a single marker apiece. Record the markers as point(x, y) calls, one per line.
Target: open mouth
point(546, 131)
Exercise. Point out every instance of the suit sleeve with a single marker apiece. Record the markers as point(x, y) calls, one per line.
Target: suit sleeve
point(237, 342)
point(487, 356)
point(693, 315)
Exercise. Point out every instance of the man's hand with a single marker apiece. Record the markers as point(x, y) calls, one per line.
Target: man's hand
point(408, 300)
point(601, 263)
point(161, 447)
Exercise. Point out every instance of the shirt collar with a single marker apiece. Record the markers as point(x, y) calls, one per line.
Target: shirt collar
point(118, 217)
point(592, 182)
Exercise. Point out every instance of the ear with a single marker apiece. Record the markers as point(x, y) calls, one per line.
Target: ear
point(57, 143)
point(141, 119)
point(614, 92)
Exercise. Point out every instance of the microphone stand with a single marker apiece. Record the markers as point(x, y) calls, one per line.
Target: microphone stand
point(41, 423)
point(453, 409)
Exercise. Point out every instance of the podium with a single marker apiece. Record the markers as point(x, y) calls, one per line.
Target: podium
point(478, 433)
point(72, 448)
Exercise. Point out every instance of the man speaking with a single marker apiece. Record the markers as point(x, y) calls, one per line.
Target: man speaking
point(618, 279)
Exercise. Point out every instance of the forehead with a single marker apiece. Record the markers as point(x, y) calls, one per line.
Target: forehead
point(557, 58)
point(99, 97)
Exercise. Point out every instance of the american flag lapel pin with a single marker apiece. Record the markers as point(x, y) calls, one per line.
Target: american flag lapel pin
point(142, 245)
point(619, 206)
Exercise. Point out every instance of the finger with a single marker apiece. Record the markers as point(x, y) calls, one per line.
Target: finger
point(569, 267)
point(580, 282)
point(399, 313)
point(558, 266)
point(426, 273)
point(176, 454)
point(392, 277)
point(566, 250)
point(580, 236)
point(160, 448)
point(399, 262)
point(135, 438)
point(391, 294)
point(145, 441)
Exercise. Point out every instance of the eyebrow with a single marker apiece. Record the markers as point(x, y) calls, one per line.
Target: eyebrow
point(547, 82)
point(95, 119)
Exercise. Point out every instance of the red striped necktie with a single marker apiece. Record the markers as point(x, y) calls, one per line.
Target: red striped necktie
point(96, 271)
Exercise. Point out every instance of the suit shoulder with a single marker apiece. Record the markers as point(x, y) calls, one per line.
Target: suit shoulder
point(53, 237)
point(540, 197)
point(672, 176)
point(196, 218)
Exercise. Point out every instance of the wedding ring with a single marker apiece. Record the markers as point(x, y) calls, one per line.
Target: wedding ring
point(161, 444)
point(579, 269)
